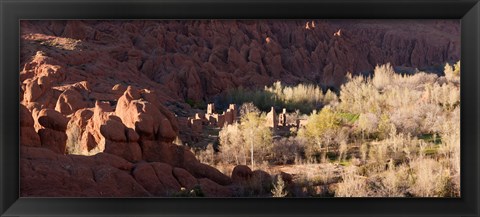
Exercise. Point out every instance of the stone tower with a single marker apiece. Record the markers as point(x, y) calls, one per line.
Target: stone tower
point(210, 108)
point(282, 118)
point(272, 120)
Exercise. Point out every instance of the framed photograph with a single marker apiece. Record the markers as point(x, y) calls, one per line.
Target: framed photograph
point(239, 108)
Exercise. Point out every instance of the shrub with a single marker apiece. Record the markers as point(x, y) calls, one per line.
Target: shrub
point(368, 123)
point(352, 184)
point(206, 156)
point(446, 95)
point(279, 188)
point(383, 76)
point(299, 94)
point(287, 150)
point(237, 141)
point(321, 130)
point(431, 179)
point(452, 73)
point(196, 104)
point(302, 97)
point(406, 120)
point(232, 146)
point(320, 126)
point(394, 182)
point(343, 148)
point(196, 191)
point(358, 96)
point(330, 98)
point(248, 107)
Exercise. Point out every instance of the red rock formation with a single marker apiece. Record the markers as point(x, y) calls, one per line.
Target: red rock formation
point(196, 125)
point(150, 120)
point(260, 180)
point(157, 178)
point(44, 173)
point(91, 131)
point(185, 179)
point(28, 135)
point(263, 178)
point(70, 101)
point(241, 173)
point(101, 89)
point(198, 59)
point(52, 135)
point(212, 189)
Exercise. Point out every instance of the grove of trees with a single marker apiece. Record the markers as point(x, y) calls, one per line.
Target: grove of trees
point(387, 135)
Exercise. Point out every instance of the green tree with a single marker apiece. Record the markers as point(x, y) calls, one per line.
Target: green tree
point(257, 135)
point(321, 128)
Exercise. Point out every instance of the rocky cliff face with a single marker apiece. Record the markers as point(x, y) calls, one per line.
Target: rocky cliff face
point(97, 96)
point(198, 59)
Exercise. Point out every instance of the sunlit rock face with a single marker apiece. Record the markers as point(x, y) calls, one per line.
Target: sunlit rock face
point(197, 59)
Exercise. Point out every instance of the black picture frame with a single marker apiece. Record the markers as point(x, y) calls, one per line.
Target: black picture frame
point(12, 11)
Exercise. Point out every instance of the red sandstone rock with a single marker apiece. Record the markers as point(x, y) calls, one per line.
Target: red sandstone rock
point(212, 189)
point(53, 140)
point(52, 136)
point(200, 170)
point(91, 132)
point(165, 175)
point(112, 160)
point(132, 136)
point(26, 119)
point(113, 130)
point(34, 90)
point(178, 156)
point(150, 121)
point(196, 125)
point(70, 101)
point(185, 179)
point(129, 151)
point(263, 178)
point(44, 173)
point(241, 173)
point(28, 135)
point(145, 175)
point(157, 178)
point(52, 119)
point(287, 178)
point(112, 182)
point(316, 54)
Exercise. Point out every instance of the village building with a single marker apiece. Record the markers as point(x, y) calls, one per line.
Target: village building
point(272, 119)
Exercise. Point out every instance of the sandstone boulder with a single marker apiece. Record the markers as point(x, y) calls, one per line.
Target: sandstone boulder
point(241, 174)
point(70, 101)
point(53, 140)
point(52, 119)
point(92, 131)
point(28, 135)
point(212, 189)
point(52, 135)
point(150, 121)
point(145, 175)
point(157, 178)
point(45, 173)
point(185, 179)
point(262, 178)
